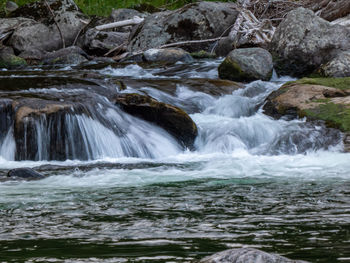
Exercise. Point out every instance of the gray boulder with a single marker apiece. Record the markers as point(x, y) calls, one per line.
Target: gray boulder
point(202, 20)
point(167, 55)
point(71, 55)
point(247, 255)
point(304, 41)
point(247, 64)
point(41, 31)
point(100, 42)
point(338, 67)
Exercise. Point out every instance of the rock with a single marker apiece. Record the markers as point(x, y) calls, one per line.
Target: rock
point(203, 54)
point(33, 56)
point(167, 55)
point(25, 173)
point(41, 31)
point(319, 99)
point(124, 14)
point(202, 20)
point(224, 47)
point(171, 118)
point(338, 67)
point(247, 255)
point(247, 64)
point(304, 41)
point(10, 7)
point(9, 60)
point(98, 43)
point(71, 55)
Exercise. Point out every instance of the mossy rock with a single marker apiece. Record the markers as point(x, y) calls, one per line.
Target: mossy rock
point(326, 99)
point(202, 54)
point(246, 64)
point(11, 62)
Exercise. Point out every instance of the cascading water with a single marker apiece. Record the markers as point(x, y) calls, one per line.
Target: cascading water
point(129, 192)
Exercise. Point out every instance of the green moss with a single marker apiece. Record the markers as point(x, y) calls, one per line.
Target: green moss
point(338, 83)
point(229, 69)
point(335, 115)
point(202, 54)
point(12, 61)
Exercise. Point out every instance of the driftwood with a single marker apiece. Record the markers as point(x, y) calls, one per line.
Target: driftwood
point(134, 21)
point(57, 25)
point(247, 29)
point(330, 9)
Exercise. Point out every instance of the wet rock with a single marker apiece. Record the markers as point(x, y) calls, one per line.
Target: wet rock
point(167, 55)
point(171, 118)
point(9, 60)
point(247, 255)
point(247, 64)
point(25, 173)
point(322, 99)
point(98, 43)
point(202, 20)
point(338, 67)
point(71, 55)
point(41, 31)
point(303, 41)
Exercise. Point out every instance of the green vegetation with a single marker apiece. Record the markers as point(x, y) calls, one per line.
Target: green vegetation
point(104, 7)
point(338, 83)
point(335, 115)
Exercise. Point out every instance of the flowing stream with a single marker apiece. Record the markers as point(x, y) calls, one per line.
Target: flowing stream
point(124, 190)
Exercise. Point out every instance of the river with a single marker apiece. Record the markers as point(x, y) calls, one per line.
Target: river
point(135, 195)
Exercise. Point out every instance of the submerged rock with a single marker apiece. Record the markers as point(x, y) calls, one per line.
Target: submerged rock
point(171, 118)
point(247, 255)
point(303, 41)
point(167, 55)
point(25, 173)
point(247, 64)
point(202, 20)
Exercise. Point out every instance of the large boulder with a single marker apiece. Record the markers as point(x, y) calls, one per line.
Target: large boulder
point(337, 67)
point(247, 64)
point(166, 55)
point(304, 41)
point(321, 99)
point(202, 20)
point(41, 31)
point(247, 255)
point(171, 118)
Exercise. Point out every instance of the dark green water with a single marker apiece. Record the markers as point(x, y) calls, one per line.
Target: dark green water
point(178, 221)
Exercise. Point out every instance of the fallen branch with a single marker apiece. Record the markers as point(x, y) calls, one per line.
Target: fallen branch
point(183, 43)
point(58, 27)
point(117, 48)
point(134, 21)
